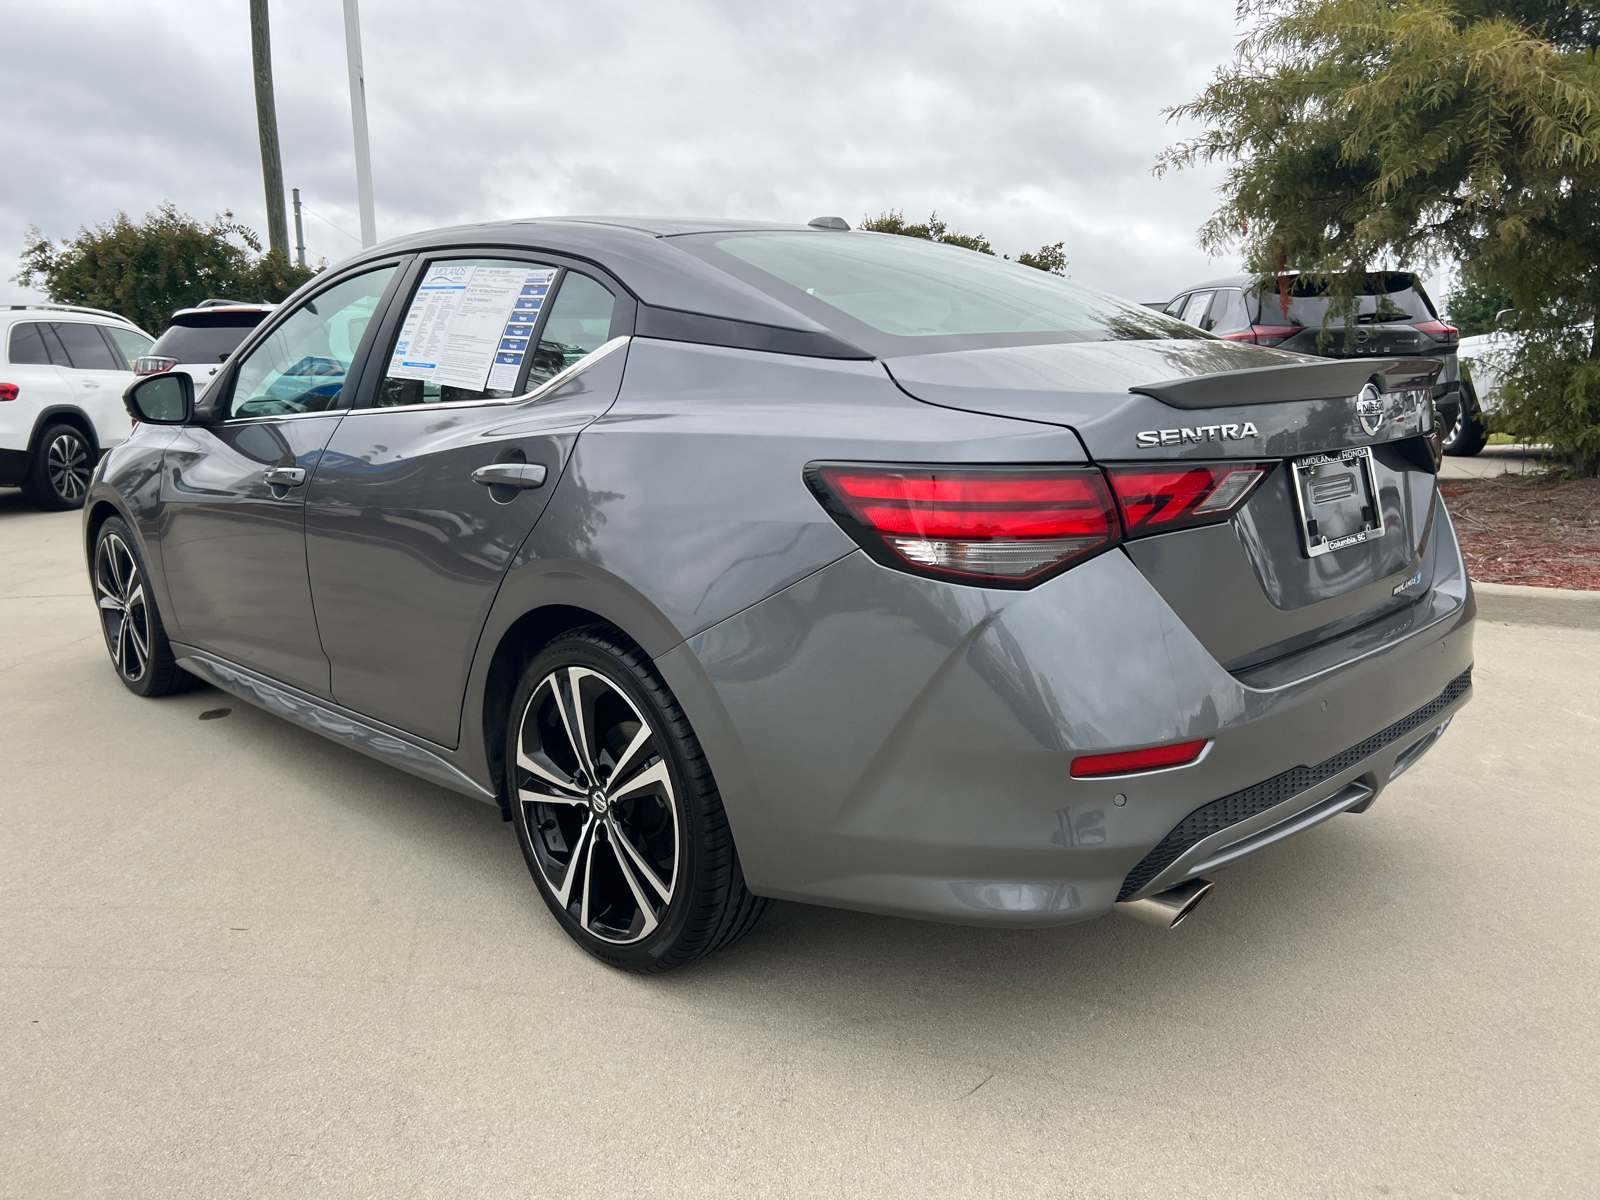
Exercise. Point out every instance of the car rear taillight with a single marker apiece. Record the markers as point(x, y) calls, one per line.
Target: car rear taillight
point(1244, 335)
point(1271, 335)
point(8, 391)
point(1161, 497)
point(1129, 762)
point(152, 364)
point(1438, 330)
point(1002, 526)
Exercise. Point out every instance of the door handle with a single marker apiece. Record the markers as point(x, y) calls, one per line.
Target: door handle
point(285, 476)
point(88, 383)
point(510, 474)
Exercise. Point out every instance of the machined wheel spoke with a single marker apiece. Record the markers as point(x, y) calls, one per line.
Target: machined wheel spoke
point(534, 767)
point(651, 775)
point(577, 728)
point(588, 878)
point(644, 868)
point(646, 910)
point(625, 763)
point(585, 850)
point(120, 654)
point(110, 602)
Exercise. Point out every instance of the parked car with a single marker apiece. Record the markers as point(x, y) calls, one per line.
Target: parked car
point(736, 561)
point(1395, 317)
point(61, 396)
point(1480, 385)
point(200, 339)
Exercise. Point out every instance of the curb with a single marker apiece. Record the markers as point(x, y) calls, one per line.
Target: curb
point(1517, 604)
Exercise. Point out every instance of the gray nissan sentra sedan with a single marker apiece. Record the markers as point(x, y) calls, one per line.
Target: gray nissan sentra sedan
point(740, 561)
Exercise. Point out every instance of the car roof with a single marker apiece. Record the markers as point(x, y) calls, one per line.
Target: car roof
point(68, 312)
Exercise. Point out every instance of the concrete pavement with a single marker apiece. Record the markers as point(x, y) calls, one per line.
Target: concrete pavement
point(238, 960)
point(1498, 460)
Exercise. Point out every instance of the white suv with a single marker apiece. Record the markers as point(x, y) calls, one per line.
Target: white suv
point(61, 384)
point(200, 339)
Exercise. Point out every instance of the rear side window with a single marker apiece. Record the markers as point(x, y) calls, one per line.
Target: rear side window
point(207, 339)
point(28, 343)
point(487, 329)
point(129, 344)
point(86, 349)
point(579, 324)
point(1228, 313)
point(1194, 311)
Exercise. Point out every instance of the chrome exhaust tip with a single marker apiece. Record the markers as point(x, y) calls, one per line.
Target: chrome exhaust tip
point(1165, 909)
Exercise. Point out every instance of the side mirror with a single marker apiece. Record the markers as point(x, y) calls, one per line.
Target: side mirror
point(164, 399)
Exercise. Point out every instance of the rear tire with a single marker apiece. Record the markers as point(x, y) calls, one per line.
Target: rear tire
point(135, 637)
point(1467, 436)
point(616, 810)
point(63, 463)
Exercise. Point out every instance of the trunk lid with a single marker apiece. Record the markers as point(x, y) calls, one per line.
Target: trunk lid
point(1256, 589)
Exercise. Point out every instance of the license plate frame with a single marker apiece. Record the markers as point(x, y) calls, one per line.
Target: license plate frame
point(1337, 514)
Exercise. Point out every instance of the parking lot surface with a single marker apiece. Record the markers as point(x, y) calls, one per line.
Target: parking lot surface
point(239, 960)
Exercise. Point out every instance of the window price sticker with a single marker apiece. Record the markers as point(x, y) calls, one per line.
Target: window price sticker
point(470, 326)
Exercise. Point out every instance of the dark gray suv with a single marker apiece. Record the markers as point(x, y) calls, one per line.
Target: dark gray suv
point(738, 561)
point(1394, 316)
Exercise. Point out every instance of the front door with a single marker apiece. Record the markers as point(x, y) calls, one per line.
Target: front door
point(406, 540)
point(233, 487)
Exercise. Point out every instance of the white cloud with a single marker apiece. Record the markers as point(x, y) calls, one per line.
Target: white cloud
point(1031, 121)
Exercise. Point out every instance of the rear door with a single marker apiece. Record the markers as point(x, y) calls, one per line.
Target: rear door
point(407, 538)
point(98, 374)
point(233, 484)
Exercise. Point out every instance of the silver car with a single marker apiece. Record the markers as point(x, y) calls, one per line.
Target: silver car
point(746, 561)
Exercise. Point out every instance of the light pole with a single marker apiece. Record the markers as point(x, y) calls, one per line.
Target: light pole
point(358, 122)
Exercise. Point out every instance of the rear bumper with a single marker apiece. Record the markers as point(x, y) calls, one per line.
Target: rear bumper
point(903, 746)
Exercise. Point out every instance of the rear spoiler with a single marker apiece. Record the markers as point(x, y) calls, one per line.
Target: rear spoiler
point(1325, 380)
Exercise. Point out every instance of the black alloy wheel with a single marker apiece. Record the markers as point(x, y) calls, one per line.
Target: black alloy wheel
point(63, 465)
point(134, 634)
point(616, 811)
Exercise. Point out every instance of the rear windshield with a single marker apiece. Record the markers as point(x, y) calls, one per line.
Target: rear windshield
point(210, 342)
point(897, 295)
point(1393, 297)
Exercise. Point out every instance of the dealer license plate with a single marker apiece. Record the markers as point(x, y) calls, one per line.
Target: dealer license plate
point(1336, 496)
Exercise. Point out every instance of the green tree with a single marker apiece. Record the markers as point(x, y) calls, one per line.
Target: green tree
point(1047, 258)
point(1475, 304)
point(1362, 133)
point(168, 261)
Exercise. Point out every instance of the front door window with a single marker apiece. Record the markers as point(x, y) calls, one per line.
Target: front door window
point(304, 362)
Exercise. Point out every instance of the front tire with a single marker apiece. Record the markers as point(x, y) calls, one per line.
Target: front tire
point(135, 637)
point(63, 464)
point(616, 810)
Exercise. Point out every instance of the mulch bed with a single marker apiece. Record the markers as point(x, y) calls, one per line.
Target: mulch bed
point(1531, 529)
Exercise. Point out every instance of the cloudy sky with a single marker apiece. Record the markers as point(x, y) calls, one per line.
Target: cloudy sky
point(1032, 121)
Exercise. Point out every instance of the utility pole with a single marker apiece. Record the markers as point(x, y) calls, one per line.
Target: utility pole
point(267, 127)
point(358, 122)
point(299, 232)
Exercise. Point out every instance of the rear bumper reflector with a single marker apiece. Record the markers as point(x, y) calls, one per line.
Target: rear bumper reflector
point(1128, 762)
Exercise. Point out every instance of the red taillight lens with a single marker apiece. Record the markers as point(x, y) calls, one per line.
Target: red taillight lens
point(1244, 335)
point(1271, 335)
point(1005, 526)
point(1158, 498)
point(152, 364)
point(8, 391)
point(1438, 330)
point(1127, 762)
